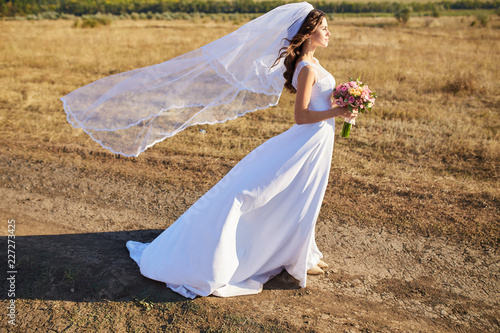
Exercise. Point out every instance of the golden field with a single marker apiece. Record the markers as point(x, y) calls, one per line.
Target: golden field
point(423, 163)
point(435, 127)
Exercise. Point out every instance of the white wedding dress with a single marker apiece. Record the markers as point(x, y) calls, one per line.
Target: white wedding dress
point(255, 222)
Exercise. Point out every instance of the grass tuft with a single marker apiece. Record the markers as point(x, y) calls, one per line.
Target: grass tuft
point(462, 84)
point(93, 21)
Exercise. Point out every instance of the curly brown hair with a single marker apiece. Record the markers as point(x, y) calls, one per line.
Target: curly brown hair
point(292, 52)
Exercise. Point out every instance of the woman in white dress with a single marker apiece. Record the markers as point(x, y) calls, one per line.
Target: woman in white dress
point(260, 218)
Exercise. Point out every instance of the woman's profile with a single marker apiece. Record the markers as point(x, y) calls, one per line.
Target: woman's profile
point(260, 218)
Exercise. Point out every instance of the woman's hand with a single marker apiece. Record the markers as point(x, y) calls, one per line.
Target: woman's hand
point(345, 113)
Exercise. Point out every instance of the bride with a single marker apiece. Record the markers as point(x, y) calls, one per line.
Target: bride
point(260, 218)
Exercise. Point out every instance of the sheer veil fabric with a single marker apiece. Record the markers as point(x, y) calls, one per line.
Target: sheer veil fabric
point(131, 111)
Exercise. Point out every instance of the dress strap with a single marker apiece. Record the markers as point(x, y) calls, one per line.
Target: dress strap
point(299, 67)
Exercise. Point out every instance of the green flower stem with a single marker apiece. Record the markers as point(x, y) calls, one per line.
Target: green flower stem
point(346, 129)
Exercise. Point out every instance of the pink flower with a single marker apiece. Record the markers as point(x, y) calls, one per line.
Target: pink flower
point(340, 102)
point(353, 84)
point(351, 99)
point(343, 88)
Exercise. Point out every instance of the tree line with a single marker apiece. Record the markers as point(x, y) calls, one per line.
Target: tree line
point(119, 7)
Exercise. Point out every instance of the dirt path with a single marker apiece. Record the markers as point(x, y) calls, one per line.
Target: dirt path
point(72, 225)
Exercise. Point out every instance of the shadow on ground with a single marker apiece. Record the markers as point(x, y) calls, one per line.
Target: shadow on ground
point(91, 267)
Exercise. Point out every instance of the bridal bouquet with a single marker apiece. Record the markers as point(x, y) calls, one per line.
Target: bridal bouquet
point(355, 95)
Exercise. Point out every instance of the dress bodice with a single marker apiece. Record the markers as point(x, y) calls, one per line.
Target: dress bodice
point(322, 88)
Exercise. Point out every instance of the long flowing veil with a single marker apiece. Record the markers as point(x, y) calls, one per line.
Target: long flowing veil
point(131, 111)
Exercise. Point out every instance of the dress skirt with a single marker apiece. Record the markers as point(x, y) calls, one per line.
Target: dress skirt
point(256, 221)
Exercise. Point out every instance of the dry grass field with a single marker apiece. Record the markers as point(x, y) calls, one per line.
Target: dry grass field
point(410, 222)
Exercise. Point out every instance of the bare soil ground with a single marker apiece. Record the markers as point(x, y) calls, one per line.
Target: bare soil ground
point(74, 272)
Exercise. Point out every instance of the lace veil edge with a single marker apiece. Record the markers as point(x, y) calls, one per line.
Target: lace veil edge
point(129, 112)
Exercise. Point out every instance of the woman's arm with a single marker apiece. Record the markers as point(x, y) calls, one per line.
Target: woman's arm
point(302, 114)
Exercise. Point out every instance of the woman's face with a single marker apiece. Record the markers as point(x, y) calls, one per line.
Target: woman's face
point(321, 36)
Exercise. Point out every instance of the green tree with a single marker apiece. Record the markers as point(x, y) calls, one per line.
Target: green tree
point(403, 14)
